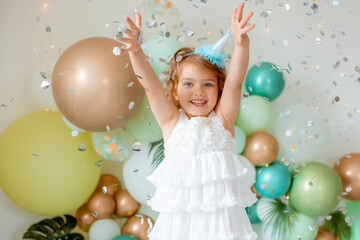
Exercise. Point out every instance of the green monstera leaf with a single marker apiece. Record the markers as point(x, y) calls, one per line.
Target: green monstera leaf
point(159, 155)
point(54, 229)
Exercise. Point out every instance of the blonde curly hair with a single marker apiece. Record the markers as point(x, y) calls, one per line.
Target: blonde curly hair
point(182, 58)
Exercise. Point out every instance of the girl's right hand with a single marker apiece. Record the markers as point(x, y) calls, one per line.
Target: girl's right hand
point(133, 41)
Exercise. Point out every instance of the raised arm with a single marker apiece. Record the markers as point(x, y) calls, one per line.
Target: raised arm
point(229, 103)
point(164, 111)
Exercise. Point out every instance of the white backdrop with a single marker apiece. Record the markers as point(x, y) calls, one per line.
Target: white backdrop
point(291, 34)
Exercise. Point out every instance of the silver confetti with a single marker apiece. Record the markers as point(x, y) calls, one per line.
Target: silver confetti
point(131, 105)
point(45, 84)
point(48, 29)
point(190, 33)
point(98, 163)
point(74, 133)
point(117, 51)
point(136, 146)
point(104, 189)
point(181, 38)
point(179, 58)
point(130, 84)
point(348, 189)
point(82, 147)
point(122, 27)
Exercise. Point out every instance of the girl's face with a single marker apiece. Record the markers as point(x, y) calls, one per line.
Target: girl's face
point(197, 90)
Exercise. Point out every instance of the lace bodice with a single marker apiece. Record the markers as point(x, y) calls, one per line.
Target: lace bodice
point(199, 135)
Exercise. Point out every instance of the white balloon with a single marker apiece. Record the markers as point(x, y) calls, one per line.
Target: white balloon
point(41, 85)
point(104, 229)
point(136, 169)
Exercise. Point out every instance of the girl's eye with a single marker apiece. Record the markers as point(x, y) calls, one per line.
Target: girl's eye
point(188, 84)
point(208, 85)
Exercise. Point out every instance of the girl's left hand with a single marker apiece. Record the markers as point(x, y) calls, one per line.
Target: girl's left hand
point(239, 29)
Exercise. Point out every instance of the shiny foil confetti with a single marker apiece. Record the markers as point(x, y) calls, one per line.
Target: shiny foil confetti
point(44, 84)
point(48, 29)
point(74, 133)
point(82, 147)
point(181, 38)
point(98, 163)
point(117, 51)
point(190, 33)
point(131, 105)
point(130, 84)
point(104, 189)
point(136, 146)
point(35, 154)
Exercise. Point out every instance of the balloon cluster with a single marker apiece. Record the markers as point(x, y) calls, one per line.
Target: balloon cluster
point(108, 199)
point(293, 185)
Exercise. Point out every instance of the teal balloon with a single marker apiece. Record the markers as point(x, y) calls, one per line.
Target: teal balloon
point(160, 49)
point(353, 212)
point(124, 237)
point(240, 138)
point(252, 213)
point(272, 181)
point(264, 80)
point(316, 189)
point(256, 114)
point(143, 125)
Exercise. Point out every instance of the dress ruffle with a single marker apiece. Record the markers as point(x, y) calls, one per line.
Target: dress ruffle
point(223, 224)
point(205, 198)
point(199, 169)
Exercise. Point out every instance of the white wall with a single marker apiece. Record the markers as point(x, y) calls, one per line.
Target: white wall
point(23, 23)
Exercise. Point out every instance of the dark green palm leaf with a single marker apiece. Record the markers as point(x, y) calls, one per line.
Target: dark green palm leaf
point(53, 229)
point(159, 153)
point(338, 226)
point(279, 218)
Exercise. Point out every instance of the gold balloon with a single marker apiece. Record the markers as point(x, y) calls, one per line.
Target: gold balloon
point(348, 169)
point(95, 89)
point(137, 226)
point(84, 218)
point(324, 234)
point(261, 148)
point(125, 204)
point(101, 205)
point(108, 184)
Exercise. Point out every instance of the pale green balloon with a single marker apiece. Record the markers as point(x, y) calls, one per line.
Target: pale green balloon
point(302, 133)
point(104, 229)
point(255, 114)
point(240, 139)
point(315, 189)
point(160, 49)
point(304, 226)
point(143, 126)
point(353, 212)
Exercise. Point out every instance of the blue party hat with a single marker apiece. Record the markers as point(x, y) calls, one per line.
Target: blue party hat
point(215, 52)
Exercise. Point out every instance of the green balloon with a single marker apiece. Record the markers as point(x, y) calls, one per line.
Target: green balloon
point(240, 139)
point(304, 226)
point(316, 189)
point(143, 126)
point(265, 81)
point(160, 49)
point(255, 114)
point(353, 212)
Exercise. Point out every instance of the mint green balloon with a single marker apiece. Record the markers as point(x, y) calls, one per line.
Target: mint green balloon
point(240, 139)
point(143, 126)
point(316, 189)
point(264, 80)
point(353, 212)
point(160, 49)
point(304, 226)
point(255, 114)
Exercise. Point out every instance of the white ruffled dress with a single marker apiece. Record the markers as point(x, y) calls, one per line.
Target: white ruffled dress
point(202, 188)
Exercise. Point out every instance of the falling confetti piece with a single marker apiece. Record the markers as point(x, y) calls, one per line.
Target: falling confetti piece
point(45, 84)
point(98, 163)
point(104, 189)
point(139, 77)
point(263, 186)
point(131, 105)
point(190, 33)
point(82, 147)
point(48, 29)
point(130, 84)
point(181, 38)
point(136, 146)
point(293, 147)
point(117, 51)
point(74, 133)
point(35, 154)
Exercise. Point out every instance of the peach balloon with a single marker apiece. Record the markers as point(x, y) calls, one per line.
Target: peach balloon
point(84, 218)
point(125, 204)
point(108, 184)
point(348, 168)
point(138, 226)
point(95, 89)
point(101, 205)
point(261, 148)
point(324, 234)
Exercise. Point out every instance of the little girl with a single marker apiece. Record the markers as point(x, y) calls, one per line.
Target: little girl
point(201, 184)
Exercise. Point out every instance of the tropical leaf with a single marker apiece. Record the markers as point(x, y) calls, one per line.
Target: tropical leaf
point(53, 229)
point(159, 155)
point(277, 216)
point(337, 225)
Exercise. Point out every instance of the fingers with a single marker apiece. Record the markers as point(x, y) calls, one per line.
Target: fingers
point(131, 24)
point(244, 21)
point(249, 28)
point(239, 11)
point(138, 20)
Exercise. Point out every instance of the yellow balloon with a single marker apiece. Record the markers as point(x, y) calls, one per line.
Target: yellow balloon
point(43, 168)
